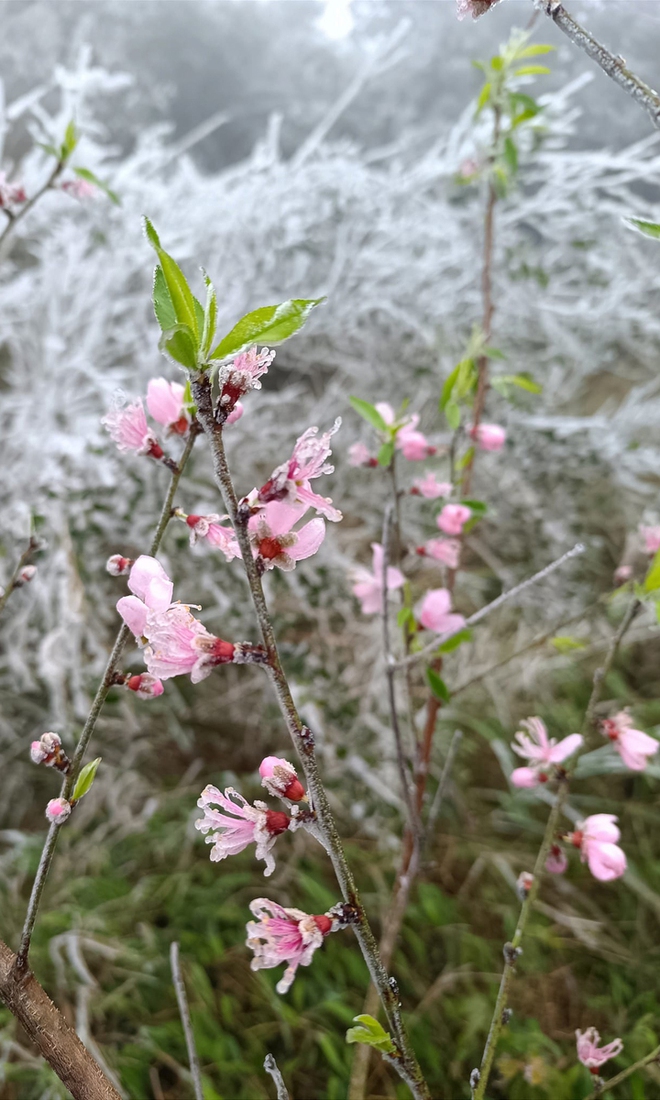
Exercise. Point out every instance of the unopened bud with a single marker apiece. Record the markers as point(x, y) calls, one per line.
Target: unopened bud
point(524, 884)
point(117, 566)
point(144, 685)
point(58, 810)
point(280, 779)
point(48, 750)
point(25, 576)
point(475, 1078)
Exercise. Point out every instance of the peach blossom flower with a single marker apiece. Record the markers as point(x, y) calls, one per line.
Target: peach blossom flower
point(290, 482)
point(413, 444)
point(651, 536)
point(368, 587)
point(79, 189)
point(243, 374)
point(165, 405)
point(634, 746)
point(446, 551)
point(434, 613)
point(284, 935)
point(429, 487)
point(475, 8)
point(48, 750)
point(117, 566)
point(596, 838)
point(235, 414)
point(10, 193)
point(276, 543)
point(358, 455)
point(591, 1054)
point(144, 685)
point(128, 428)
point(541, 751)
point(488, 437)
point(453, 518)
point(280, 779)
point(556, 863)
point(240, 824)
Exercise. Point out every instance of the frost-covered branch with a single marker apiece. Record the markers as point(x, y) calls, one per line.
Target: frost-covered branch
point(23, 572)
point(271, 1067)
point(184, 1013)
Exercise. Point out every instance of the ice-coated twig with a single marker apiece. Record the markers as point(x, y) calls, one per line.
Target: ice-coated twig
point(303, 740)
point(271, 1067)
point(484, 611)
point(184, 1013)
point(92, 718)
point(15, 219)
point(612, 65)
point(512, 950)
point(14, 581)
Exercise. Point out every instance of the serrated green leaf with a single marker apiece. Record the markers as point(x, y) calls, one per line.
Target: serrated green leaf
point(524, 381)
point(511, 154)
point(533, 51)
point(649, 229)
point(266, 325)
point(448, 387)
point(564, 643)
point(199, 313)
point(652, 579)
point(151, 233)
point(453, 415)
point(181, 296)
point(85, 174)
point(70, 141)
point(369, 413)
point(162, 301)
point(532, 70)
point(484, 97)
point(210, 316)
point(180, 345)
point(386, 453)
point(85, 779)
point(437, 686)
point(455, 640)
point(371, 1033)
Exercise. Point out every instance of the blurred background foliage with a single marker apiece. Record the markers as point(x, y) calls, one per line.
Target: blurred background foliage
point(283, 195)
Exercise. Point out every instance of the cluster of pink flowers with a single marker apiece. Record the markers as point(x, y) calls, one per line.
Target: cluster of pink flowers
point(596, 838)
point(11, 194)
point(591, 1054)
point(368, 586)
point(128, 426)
point(542, 752)
point(237, 378)
point(175, 642)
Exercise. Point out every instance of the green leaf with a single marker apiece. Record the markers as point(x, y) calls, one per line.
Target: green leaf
point(652, 579)
point(533, 50)
point(448, 387)
point(524, 381)
point(524, 116)
point(210, 316)
point(455, 640)
point(371, 1033)
point(386, 453)
point(527, 102)
point(465, 459)
point(163, 307)
point(477, 507)
point(492, 353)
point(369, 413)
point(453, 414)
point(50, 149)
point(564, 643)
point(405, 618)
point(483, 97)
point(467, 379)
point(532, 70)
point(70, 141)
point(267, 325)
point(649, 229)
point(180, 345)
point(179, 291)
point(437, 686)
point(497, 63)
point(85, 174)
point(511, 154)
point(188, 403)
point(85, 779)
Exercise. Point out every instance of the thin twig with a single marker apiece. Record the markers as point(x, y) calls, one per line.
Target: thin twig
point(438, 798)
point(654, 1056)
point(90, 723)
point(512, 950)
point(26, 207)
point(184, 1013)
point(613, 66)
point(14, 581)
point(271, 1067)
point(484, 611)
point(303, 740)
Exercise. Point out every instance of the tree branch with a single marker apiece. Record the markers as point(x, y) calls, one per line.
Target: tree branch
point(184, 1013)
point(92, 718)
point(303, 740)
point(270, 1065)
point(56, 1041)
point(654, 1056)
point(25, 208)
point(13, 582)
point(613, 66)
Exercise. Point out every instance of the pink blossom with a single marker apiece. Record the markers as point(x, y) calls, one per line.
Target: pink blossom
point(27, 573)
point(284, 935)
point(622, 574)
point(453, 518)
point(280, 779)
point(413, 445)
point(290, 482)
point(651, 536)
point(209, 528)
point(556, 863)
point(434, 613)
point(541, 751)
point(247, 825)
point(10, 193)
point(489, 437)
point(48, 750)
point(429, 487)
point(469, 168)
point(368, 586)
point(475, 8)
point(596, 838)
point(57, 811)
point(235, 379)
point(144, 685)
point(235, 414)
point(358, 455)
point(446, 551)
point(79, 189)
point(128, 427)
point(165, 405)
point(591, 1054)
point(276, 543)
point(386, 411)
point(633, 746)
point(117, 566)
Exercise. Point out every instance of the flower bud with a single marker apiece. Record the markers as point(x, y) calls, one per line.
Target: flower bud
point(58, 810)
point(48, 750)
point(117, 566)
point(25, 576)
point(144, 685)
point(524, 884)
point(280, 779)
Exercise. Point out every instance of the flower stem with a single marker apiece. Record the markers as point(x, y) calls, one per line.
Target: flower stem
point(184, 1013)
point(68, 784)
point(654, 1056)
point(303, 740)
point(30, 549)
point(511, 950)
point(7, 232)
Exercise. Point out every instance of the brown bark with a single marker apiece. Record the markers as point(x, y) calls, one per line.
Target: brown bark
point(56, 1041)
